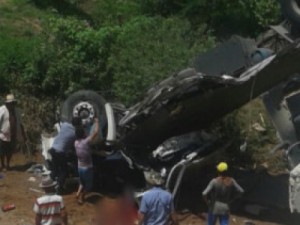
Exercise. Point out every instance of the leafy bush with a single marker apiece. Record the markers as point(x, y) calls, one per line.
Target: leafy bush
point(13, 59)
point(223, 16)
point(126, 59)
point(74, 57)
point(148, 49)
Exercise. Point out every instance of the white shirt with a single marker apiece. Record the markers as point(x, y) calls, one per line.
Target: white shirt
point(5, 125)
point(49, 207)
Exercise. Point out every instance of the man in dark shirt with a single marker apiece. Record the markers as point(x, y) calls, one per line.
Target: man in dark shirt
point(62, 144)
point(220, 192)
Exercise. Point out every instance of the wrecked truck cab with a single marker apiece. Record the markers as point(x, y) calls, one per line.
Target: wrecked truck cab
point(87, 111)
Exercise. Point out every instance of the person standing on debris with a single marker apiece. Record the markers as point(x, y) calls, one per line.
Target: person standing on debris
point(157, 204)
point(11, 130)
point(50, 209)
point(62, 144)
point(218, 195)
point(85, 162)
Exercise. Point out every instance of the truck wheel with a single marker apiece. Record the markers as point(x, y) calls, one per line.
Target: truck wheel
point(291, 9)
point(85, 104)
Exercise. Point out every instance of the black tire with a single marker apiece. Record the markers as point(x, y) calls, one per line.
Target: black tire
point(291, 10)
point(92, 98)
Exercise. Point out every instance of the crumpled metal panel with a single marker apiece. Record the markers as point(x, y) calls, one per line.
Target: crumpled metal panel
point(190, 101)
point(241, 52)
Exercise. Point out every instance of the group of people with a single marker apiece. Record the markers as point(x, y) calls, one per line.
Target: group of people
point(50, 209)
point(156, 207)
point(74, 135)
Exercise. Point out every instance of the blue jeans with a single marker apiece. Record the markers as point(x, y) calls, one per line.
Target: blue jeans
point(86, 177)
point(212, 219)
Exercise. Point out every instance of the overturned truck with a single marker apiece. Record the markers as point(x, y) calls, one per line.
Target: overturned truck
point(168, 128)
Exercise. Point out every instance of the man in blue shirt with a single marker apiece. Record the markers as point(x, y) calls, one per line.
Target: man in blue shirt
point(157, 204)
point(62, 144)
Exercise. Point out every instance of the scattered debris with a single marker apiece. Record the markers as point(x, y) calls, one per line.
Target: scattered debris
point(243, 147)
point(32, 179)
point(8, 207)
point(234, 220)
point(262, 119)
point(39, 170)
point(36, 190)
point(36, 167)
point(258, 127)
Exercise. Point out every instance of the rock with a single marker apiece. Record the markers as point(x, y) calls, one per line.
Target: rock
point(248, 223)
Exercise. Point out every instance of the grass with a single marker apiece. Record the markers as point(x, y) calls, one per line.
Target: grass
point(19, 18)
point(259, 143)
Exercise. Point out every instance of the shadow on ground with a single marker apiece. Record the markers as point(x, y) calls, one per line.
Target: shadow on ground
point(22, 168)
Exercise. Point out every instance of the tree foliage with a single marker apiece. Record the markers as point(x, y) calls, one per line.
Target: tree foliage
point(150, 49)
point(120, 48)
point(119, 61)
point(223, 16)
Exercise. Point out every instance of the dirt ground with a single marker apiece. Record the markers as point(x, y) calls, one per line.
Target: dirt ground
point(16, 188)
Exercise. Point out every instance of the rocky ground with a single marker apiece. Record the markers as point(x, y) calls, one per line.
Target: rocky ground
point(16, 188)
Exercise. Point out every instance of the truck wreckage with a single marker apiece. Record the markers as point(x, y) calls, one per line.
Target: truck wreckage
point(168, 129)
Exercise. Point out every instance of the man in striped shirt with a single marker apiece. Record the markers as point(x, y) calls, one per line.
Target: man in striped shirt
point(50, 209)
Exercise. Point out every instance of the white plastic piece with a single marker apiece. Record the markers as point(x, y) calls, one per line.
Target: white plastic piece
point(46, 145)
point(111, 124)
point(294, 183)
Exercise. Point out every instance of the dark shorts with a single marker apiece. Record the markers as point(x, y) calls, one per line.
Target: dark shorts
point(86, 176)
point(7, 147)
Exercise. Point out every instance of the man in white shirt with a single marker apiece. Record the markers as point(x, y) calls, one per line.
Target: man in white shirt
point(11, 130)
point(50, 209)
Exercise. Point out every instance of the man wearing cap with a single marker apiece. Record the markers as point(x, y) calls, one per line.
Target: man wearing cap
point(50, 209)
point(218, 195)
point(11, 130)
point(157, 204)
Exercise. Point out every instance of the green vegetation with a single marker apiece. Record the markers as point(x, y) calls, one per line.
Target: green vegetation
point(120, 48)
point(50, 48)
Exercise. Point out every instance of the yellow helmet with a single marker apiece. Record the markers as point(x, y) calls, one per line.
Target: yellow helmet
point(222, 167)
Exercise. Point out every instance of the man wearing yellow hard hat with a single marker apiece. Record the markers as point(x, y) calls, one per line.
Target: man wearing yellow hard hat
point(218, 195)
